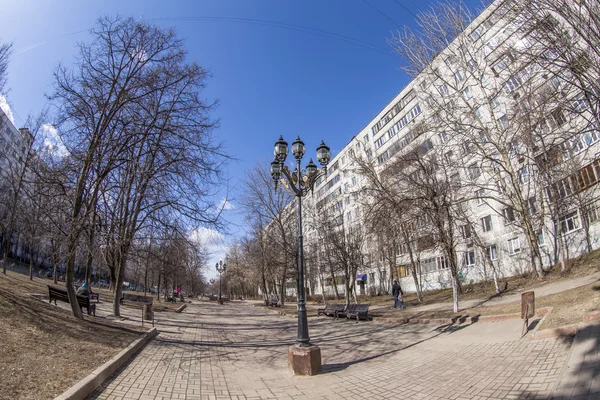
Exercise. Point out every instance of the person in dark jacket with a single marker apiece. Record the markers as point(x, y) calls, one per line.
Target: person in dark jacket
point(397, 292)
point(83, 290)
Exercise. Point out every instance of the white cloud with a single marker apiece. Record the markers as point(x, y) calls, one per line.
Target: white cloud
point(211, 240)
point(52, 141)
point(6, 108)
point(225, 205)
point(214, 243)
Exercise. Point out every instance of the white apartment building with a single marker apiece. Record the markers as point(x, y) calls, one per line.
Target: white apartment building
point(13, 145)
point(513, 137)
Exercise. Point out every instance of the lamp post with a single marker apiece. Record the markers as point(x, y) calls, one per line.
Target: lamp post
point(221, 267)
point(212, 285)
point(304, 358)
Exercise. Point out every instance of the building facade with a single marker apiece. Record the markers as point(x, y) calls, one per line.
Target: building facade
point(496, 124)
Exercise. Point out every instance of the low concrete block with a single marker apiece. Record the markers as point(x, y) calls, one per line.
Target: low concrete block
point(304, 360)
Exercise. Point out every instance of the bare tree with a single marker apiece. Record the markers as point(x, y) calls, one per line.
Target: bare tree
point(274, 223)
point(139, 135)
point(388, 212)
point(5, 52)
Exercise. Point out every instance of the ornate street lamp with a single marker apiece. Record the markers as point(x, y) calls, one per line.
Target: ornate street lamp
point(304, 358)
point(221, 267)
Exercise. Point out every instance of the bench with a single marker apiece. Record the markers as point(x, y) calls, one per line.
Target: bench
point(330, 309)
point(343, 311)
point(135, 299)
point(354, 311)
point(61, 294)
point(360, 311)
point(139, 301)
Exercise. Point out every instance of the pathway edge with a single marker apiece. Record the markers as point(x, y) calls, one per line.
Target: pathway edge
point(87, 385)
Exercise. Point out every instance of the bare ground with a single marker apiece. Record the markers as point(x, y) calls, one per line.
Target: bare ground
point(45, 350)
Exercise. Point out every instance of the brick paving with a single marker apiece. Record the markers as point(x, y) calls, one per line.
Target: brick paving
point(236, 351)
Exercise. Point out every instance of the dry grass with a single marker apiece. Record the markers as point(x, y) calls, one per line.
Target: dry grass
point(568, 307)
point(45, 350)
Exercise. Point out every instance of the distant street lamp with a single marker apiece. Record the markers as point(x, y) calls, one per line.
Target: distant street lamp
point(221, 267)
point(304, 358)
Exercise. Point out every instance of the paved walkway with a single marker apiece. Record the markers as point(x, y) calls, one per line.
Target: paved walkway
point(236, 351)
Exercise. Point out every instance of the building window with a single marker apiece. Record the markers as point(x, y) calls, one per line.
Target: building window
point(570, 222)
point(486, 223)
point(469, 258)
point(443, 137)
point(449, 156)
point(514, 246)
point(503, 122)
point(480, 196)
point(509, 215)
point(465, 230)
point(532, 205)
point(541, 239)
point(442, 263)
point(513, 83)
point(523, 175)
point(492, 252)
point(592, 211)
point(467, 94)
point(558, 117)
point(455, 180)
point(474, 171)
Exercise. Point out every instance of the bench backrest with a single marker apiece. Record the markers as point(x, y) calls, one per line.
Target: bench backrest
point(362, 307)
point(351, 307)
point(137, 297)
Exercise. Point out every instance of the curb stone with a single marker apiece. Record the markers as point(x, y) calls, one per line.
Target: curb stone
point(87, 385)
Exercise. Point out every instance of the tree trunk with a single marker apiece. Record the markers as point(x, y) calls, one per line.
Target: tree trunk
point(71, 248)
point(31, 262)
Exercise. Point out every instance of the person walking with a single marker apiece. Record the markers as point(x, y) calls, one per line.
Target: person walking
point(397, 292)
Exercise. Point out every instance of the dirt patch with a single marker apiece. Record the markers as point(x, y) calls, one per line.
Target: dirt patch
point(45, 350)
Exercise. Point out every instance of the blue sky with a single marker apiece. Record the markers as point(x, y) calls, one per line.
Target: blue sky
point(276, 69)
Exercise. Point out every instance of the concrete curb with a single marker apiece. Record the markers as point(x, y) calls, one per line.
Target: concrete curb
point(87, 385)
point(567, 330)
point(590, 318)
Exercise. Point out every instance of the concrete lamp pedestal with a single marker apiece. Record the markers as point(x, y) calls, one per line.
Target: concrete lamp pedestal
point(304, 360)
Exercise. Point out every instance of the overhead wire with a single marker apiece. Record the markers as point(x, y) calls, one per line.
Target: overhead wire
point(405, 8)
point(382, 13)
point(281, 25)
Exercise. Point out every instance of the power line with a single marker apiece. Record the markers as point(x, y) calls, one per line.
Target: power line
point(405, 8)
point(282, 25)
point(382, 13)
point(251, 21)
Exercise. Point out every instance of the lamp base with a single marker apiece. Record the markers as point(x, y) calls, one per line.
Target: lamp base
point(304, 360)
